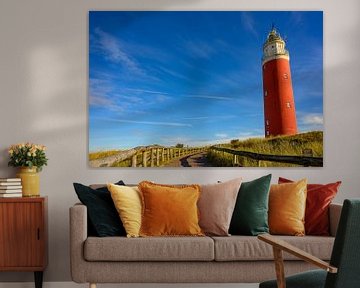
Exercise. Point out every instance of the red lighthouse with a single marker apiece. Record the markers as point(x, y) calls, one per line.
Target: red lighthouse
point(279, 106)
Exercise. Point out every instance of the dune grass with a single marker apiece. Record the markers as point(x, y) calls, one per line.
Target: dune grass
point(304, 144)
point(102, 154)
point(282, 145)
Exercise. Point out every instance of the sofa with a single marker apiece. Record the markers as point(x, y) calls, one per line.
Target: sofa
point(233, 259)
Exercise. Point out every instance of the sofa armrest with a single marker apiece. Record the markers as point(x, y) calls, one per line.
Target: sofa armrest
point(78, 235)
point(334, 217)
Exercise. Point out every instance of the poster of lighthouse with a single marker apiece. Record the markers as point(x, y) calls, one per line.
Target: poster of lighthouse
point(205, 89)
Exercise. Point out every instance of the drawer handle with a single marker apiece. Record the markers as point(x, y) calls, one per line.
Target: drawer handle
point(38, 234)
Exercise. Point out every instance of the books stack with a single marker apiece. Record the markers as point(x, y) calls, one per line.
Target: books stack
point(10, 187)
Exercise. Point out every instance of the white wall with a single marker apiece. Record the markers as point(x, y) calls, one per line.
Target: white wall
point(43, 90)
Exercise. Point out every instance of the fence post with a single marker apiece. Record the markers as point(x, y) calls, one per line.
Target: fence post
point(162, 154)
point(152, 158)
point(235, 160)
point(144, 158)
point(157, 157)
point(133, 160)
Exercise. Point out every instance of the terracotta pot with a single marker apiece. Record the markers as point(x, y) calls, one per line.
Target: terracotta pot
point(30, 181)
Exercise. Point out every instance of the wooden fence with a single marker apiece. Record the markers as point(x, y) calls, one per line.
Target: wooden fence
point(306, 161)
point(147, 157)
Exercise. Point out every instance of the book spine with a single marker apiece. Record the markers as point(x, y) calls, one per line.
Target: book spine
point(10, 183)
point(10, 180)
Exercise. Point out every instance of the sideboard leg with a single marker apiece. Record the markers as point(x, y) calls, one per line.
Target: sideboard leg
point(38, 279)
point(92, 285)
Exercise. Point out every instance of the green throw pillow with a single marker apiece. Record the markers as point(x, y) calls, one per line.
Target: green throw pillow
point(250, 216)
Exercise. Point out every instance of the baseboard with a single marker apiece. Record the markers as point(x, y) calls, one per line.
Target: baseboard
point(74, 285)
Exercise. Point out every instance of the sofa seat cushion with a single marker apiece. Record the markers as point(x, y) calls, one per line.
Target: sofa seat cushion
point(149, 249)
point(244, 248)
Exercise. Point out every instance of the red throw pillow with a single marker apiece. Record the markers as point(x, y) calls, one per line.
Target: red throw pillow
point(319, 197)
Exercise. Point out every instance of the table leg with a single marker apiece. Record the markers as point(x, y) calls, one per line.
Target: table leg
point(38, 279)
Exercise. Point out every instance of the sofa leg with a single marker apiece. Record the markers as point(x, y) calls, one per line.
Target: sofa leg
point(92, 285)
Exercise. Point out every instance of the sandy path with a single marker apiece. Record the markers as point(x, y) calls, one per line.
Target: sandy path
point(195, 160)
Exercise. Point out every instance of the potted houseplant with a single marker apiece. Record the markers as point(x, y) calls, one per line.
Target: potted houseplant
point(30, 158)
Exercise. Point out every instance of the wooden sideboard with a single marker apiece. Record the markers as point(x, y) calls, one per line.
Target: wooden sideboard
point(23, 235)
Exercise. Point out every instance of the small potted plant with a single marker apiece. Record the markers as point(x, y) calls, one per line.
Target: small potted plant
point(30, 158)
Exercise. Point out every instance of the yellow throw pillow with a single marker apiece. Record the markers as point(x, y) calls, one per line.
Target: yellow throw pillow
point(287, 204)
point(169, 210)
point(127, 201)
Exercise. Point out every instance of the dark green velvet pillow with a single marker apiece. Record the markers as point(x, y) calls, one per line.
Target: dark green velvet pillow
point(250, 216)
point(103, 218)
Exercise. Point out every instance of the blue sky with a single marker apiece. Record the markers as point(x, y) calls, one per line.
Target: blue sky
point(194, 77)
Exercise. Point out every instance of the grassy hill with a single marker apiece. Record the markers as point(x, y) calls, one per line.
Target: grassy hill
point(309, 144)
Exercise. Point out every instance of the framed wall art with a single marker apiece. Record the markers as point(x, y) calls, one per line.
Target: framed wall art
point(205, 88)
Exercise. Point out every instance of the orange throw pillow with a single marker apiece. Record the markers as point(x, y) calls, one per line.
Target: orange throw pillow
point(169, 210)
point(319, 197)
point(287, 204)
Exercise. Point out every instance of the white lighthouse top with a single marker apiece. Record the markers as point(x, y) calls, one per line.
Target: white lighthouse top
point(274, 47)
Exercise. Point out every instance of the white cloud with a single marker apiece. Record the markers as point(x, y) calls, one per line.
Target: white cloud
point(99, 101)
point(221, 135)
point(249, 23)
point(208, 97)
point(210, 117)
point(297, 18)
point(115, 52)
point(146, 91)
point(173, 73)
point(173, 124)
point(194, 143)
point(199, 49)
point(312, 119)
point(105, 102)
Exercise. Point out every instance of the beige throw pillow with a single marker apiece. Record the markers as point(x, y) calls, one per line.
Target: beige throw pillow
point(216, 206)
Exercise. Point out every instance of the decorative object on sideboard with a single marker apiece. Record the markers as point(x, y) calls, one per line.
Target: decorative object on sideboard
point(10, 187)
point(30, 158)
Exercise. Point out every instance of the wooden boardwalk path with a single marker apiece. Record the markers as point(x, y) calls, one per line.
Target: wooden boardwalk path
point(194, 160)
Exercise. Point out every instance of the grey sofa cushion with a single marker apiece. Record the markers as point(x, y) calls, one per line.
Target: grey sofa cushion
point(249, 248)
point(149, 249)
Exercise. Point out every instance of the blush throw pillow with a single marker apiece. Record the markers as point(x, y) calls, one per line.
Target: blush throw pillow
point(169, 210)
point(216, 206)
point(103, 218)
point(250, 215)
point(319, 197)
point(127, 201)
point(287, 204)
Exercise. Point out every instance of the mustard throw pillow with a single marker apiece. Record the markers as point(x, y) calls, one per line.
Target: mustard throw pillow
point(287, 204)
point(169, 210)
point(127, 201)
